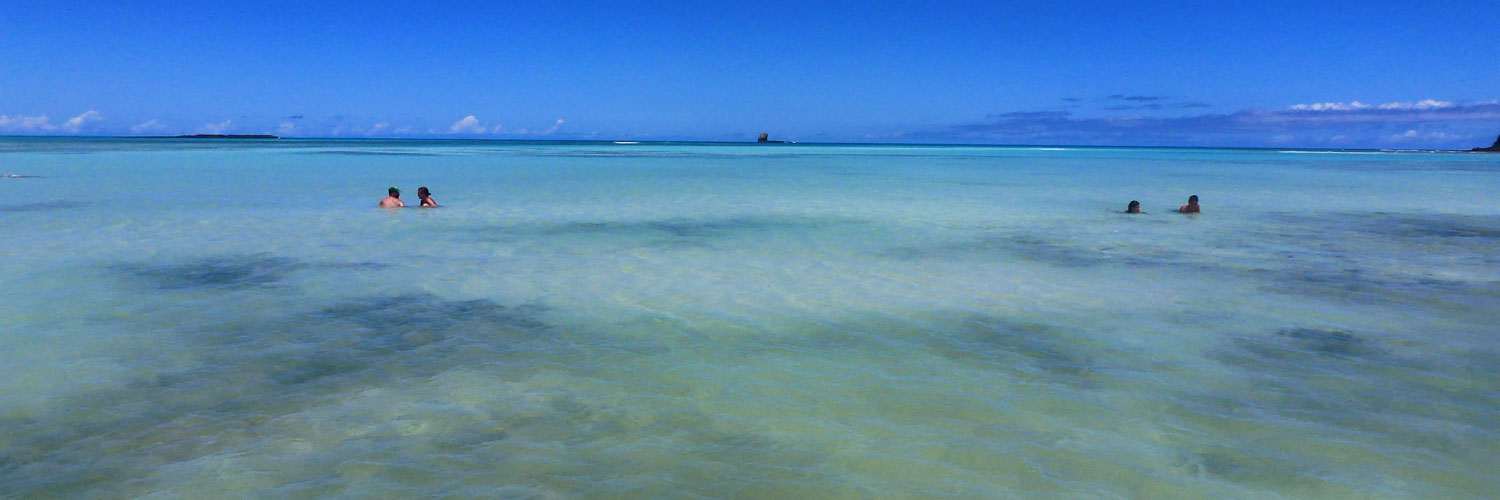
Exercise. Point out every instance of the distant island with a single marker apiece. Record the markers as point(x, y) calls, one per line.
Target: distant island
point(1494, 148)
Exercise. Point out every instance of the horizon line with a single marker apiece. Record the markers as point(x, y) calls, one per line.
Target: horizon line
point(627, 142)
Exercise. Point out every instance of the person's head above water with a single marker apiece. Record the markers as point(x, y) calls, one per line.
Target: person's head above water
point(392, 199)
point(1133, 208)
point(1191, 207)
point(426, 197)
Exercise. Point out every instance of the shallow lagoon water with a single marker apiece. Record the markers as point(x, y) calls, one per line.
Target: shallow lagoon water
point(212, 318)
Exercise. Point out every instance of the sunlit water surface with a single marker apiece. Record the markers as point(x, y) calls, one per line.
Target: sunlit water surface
point(211, 318)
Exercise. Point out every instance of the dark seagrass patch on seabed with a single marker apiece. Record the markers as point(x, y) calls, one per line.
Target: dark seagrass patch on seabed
point(1374, 258)
point(1258, 468)
point(694, 228)
point(1290, 389)
point(250, 370)
point(1404, 225)
point(1347, 240)
point(1344, 280)
point(1025, 246)
point(232, 272)
point(1033, 350)
point(342, 342)
point(427, 311)
point(1058, 252)
point(44, 206)
point(219, 272)
point(353, 266)
point(668, 232)
point(257, 381)
point(1353, 381)
point(1329, 342)
point(1299, 348)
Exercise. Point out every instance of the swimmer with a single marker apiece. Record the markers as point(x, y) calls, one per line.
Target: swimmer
point(426, 197)
point(1133, 208)
point(1191, 207)
point(392, 199)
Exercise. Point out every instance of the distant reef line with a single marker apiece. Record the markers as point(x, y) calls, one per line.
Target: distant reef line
point(206, 136)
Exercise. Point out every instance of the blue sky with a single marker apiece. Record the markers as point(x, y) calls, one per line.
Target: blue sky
point(1330, 74)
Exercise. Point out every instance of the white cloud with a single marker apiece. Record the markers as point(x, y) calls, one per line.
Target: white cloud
point(468, 125)
point(1356, 105)
point(1412, 135)
point(379, 128)
point(1425, 104)
point(557, 125)
point(1329, 106)
point(403, 130)
point(1354, 123)
point(554, 128)
point(286, 128)
point(74, 124)
point(216, 128)
point(146, 126)
point(20, 123)
point(42, 123)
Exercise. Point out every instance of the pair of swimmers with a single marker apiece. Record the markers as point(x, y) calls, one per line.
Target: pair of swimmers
point(393, 198)
point(1190, 208)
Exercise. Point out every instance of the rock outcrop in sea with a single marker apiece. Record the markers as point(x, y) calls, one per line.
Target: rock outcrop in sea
point(766, 139)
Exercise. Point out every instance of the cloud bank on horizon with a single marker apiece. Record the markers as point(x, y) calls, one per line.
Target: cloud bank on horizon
point(1427, 123)
point(42, 125)
point(1116, 119)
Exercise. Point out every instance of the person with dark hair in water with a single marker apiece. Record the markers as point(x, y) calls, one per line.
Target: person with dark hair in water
point(392, 199)
point(1133, 208)
point(426, 197)
point(1191, 207)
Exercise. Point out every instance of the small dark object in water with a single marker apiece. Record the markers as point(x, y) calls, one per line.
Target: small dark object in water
point(18, 176)
point(766, 139)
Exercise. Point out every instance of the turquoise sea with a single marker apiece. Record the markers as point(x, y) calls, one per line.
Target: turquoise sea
point(212, 319)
